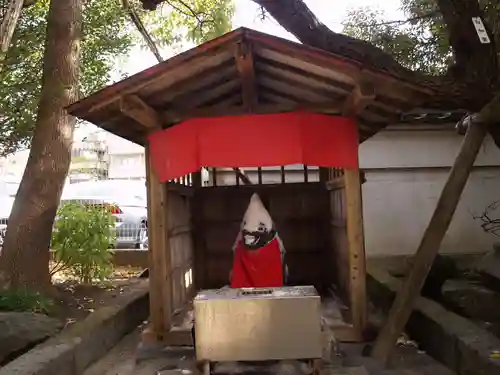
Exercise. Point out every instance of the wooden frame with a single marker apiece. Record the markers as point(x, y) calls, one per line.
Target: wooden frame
point(246, 72)
point(351, 180)
point(160, 290)
point(431, 241)
point(241, 70)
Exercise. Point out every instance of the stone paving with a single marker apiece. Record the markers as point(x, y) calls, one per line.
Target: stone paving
point(121, 360)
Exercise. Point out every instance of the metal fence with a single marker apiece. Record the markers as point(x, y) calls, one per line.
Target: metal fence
point(126, 200)
point(129, 227)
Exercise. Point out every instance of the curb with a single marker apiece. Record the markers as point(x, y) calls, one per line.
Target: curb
point(74, 349)
point(451, 339)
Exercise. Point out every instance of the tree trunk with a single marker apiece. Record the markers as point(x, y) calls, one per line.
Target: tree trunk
point(476, 62)
point(8, 25)
point(25, 256)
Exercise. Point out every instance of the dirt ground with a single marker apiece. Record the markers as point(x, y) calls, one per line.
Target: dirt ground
point(76, 301)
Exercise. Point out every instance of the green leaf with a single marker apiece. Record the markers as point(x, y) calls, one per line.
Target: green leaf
point(81, 241)
point(419, 43)
point(108, 35)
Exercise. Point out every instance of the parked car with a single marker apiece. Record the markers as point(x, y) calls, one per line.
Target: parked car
point(125, 199)
point(6, 203)
point(8, 192)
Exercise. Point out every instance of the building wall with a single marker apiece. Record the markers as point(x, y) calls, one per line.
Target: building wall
point(405, 172)
point(126, 159)
point(127, 166)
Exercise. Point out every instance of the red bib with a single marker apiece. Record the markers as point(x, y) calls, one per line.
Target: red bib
point(261, 268)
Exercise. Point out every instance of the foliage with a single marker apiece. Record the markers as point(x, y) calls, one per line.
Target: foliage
point(104, 37)
point(108, 34)
point(201, 20)
point(25, 301)
point(417, 43)
point(81, 241)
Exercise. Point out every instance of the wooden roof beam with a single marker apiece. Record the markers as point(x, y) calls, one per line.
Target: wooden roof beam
point(135, 108)
point(194, 100)
point(361, 96)
point(245, 65)
point(174, 116)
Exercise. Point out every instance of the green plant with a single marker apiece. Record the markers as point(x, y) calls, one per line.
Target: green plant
point(25, 301)
point(81, 241)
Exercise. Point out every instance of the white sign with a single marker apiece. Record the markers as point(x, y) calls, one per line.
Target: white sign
point(481, 30)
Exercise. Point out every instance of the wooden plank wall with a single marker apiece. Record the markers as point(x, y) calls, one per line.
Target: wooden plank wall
point(181, 244)
point(338, 256)
point(300, 213)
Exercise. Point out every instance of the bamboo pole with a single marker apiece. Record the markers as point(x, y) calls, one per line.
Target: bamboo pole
point(431, 242)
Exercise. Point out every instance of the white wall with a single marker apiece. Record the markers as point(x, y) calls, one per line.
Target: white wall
point(127, 166)
point(126, 159)
point(405, 172)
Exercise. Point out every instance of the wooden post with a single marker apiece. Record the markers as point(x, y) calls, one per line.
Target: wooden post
point(361, 96)
point(430, 243)
point(357, 261)
point(160, 286)
point(197, 179)
point(324, 174)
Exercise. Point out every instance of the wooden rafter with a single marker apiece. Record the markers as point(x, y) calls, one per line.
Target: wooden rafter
point(245, 65)
point(361, 96)
point(243, 58)
point(172, 116)
point(272, 83)
point(207, 95)
point(134, 107)
point(191, 86)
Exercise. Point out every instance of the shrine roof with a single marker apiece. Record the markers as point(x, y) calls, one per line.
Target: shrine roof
point(246, 71)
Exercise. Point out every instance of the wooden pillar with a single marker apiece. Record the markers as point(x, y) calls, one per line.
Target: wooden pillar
point(324, 174)
point(197, 179)
point(199, 263)
point(361, 96)
point(430, 243)
point(355, 238)
point(160, 285)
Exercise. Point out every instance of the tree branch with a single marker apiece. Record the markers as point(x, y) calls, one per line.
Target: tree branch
point(142, 30)
point(470, 84)
point(8, 25)
point(476, 62)
point(453, 90)
point(488, 224)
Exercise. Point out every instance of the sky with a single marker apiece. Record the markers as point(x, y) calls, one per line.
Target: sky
point(330, 12)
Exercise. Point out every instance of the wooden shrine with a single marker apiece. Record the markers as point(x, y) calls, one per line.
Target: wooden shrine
point(192, 226)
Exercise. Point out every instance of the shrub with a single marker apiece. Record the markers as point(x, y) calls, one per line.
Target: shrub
point(81, 241)
point(25, 301)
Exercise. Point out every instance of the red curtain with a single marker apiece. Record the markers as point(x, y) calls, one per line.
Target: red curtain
point(255, 140)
